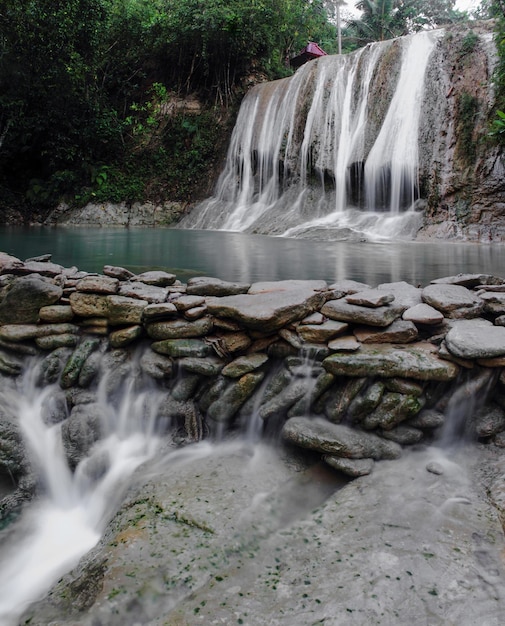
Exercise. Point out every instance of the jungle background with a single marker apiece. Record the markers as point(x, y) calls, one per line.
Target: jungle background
point(130, 100)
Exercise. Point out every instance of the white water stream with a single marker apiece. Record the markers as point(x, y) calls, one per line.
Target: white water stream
point(325, 150)
point(73, 508)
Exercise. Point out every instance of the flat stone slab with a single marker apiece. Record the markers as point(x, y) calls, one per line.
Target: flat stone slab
point(370, 297)
point(343, 311)
point(268, 310)
point(350, 467)
point(418, 361)
point(469, 280)
point(98, 284)
point(453, 300)
point(287, 285)
point(208, 286)
point(321, 333)
point(142, 291)
point(337, 440)
point(344, 344)
point(157, 278)
point(423, 314)
point(404, 292)
point(400, 331)
point(476, 339)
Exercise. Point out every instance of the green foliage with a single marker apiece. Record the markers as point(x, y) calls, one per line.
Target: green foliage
point(84, 83)
point(386, 19)
point(497, 129)
point(468, 108)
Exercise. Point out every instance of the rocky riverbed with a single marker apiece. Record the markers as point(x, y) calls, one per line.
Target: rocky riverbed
point(335, 378)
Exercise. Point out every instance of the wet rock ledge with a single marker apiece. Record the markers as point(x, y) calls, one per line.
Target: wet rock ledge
point(350, 371)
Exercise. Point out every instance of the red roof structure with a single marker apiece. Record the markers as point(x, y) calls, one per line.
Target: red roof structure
point(310, 52)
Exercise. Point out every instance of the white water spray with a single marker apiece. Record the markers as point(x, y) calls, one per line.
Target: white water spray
point(320, 152)
point(70, 515)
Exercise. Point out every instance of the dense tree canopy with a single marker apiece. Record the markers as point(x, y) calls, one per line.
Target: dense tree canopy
point(80, 80)
point(385, 19)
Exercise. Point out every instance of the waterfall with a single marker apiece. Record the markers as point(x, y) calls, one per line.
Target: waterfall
point(330, 152)
point(73, 507)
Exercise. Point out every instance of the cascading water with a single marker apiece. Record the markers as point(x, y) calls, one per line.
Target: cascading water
point(331, 151)
point(73, 509)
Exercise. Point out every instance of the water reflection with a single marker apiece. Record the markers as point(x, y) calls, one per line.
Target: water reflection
point(248, 258)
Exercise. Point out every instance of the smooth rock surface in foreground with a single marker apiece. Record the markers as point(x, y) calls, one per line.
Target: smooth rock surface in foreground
point(233, 537)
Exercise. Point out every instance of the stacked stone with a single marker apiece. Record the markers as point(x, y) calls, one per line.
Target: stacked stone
point(348, 370)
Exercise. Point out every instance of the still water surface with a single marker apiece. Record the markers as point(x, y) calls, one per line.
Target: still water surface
point(248, 258)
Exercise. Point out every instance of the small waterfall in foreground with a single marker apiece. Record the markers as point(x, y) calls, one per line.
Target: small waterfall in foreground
point(331, 152)
point(74, 505)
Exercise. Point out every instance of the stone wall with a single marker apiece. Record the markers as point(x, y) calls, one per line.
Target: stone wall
point(350, 371)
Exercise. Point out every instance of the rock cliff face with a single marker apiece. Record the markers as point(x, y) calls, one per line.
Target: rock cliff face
point(389, 141)
point(462, 170)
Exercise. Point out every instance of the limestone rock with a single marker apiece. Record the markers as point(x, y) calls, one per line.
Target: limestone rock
point(370, 298)
point(52, 342)
point(404, 293)
point(476, 339)
point(454, 301)
point(182, 347)
point(418, 361)
point(400, 331)
point(393, 409)
point(125, 336)
point(337, 439)
point(142, 291)
point(244, 364)
point(123, 310)
point(321, 333)
point(207, 286)
point(267, 310)
point(120, 273)
point(344, 344)
point(350, 467)
point(161, 311)
point(209, 366)
point(423, 314)
point(155, 365)
point(22, 332)
point(225, 407)
point(494, 303)
point(156, 277)
point(347, 286)
point(74, 364)
point(56, 313)
point(98, 284)
point(469, 280)
point(89, 304)
point(179, 329)
point(24, 296)
point(188, 302)
point(343, 311)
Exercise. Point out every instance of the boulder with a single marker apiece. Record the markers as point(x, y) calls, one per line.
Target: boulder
point(400, 331)
point(321, 332)
point(338, 440)
point(343, 311)
point(25, 296)
point(454, 301)
point(350, 467)
point(157, 278)
point(418, 361)
point(207, 286)
point(476, 339)
point(423, 314)
point(373, 298)
point(98, 284)
point(268, 309)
